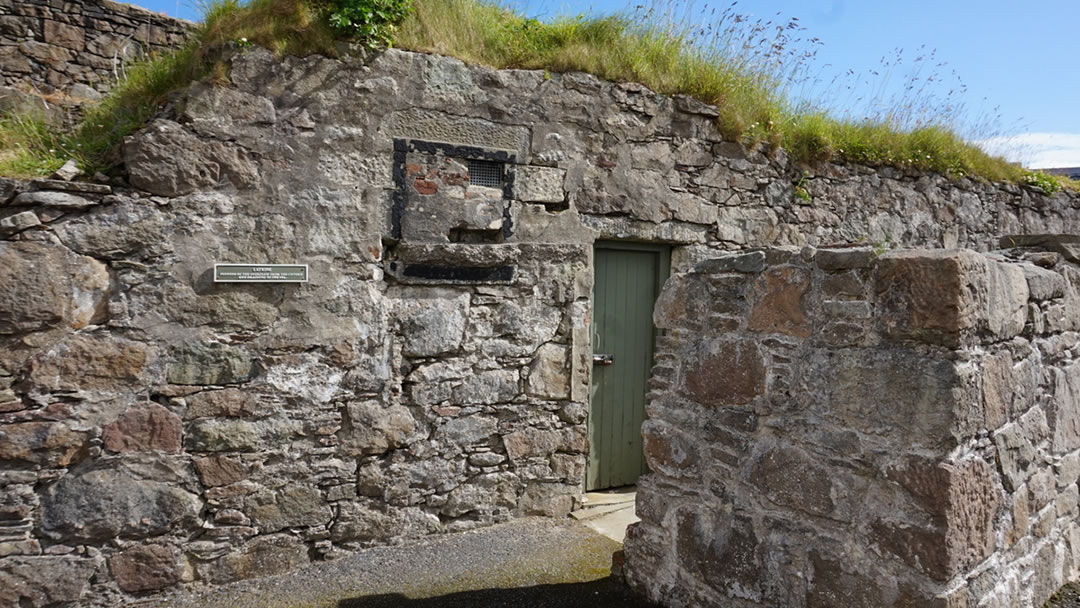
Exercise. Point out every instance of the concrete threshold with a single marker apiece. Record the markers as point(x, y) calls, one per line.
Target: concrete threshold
point(609, 512)
point(599, 511)
point(607, 497)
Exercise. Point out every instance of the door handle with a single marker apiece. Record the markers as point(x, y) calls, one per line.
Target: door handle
point(603, 359)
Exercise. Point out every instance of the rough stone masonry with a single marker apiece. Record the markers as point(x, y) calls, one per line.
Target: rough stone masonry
point(78, 47)
point(831, 428)
point(160, 430)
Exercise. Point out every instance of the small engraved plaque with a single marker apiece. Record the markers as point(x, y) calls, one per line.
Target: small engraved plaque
point(260, 273)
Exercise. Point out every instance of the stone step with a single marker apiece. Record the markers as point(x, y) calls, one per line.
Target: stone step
point(600, 511)
point(608, 497)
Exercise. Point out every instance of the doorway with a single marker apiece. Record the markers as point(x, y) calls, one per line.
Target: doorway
point(628, 278)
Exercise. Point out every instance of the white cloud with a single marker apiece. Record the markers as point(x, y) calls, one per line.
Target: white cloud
point(1037, 150)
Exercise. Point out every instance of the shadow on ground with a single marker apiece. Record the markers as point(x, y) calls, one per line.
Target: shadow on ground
point(594, 594)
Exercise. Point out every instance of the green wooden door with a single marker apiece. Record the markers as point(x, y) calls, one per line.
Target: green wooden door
point(628, 279)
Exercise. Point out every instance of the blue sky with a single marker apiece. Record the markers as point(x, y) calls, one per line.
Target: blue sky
point(1019, 62)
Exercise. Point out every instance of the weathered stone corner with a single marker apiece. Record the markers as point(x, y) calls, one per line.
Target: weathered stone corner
point(848, 430)
point(947, 297)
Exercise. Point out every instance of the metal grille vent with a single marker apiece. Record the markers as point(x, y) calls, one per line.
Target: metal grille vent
point(485, 173)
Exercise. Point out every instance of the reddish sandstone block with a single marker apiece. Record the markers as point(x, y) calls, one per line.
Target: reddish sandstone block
point(91, 362)
point(221, 470)
point(668, 450)
point(725, 372)
point(778, 302)
point(961, 500)
point(50, 444)
point(146, 568)
point(943, 296)
point(792, 478)
point(147, 426)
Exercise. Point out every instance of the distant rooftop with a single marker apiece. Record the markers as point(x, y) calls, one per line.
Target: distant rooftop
point(1070, 172)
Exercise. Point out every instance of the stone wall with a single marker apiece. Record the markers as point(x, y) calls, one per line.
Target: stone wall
point(79, 47)
point(160, 429)
point(833, 428)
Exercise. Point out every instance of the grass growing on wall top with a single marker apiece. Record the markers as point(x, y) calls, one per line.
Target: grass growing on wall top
point(286, 27)
point(31, 148)
point(745, 68)
point(624, 47)
point(131, 104)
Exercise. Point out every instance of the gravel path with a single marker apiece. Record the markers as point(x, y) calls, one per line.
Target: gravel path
point(533, 562)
